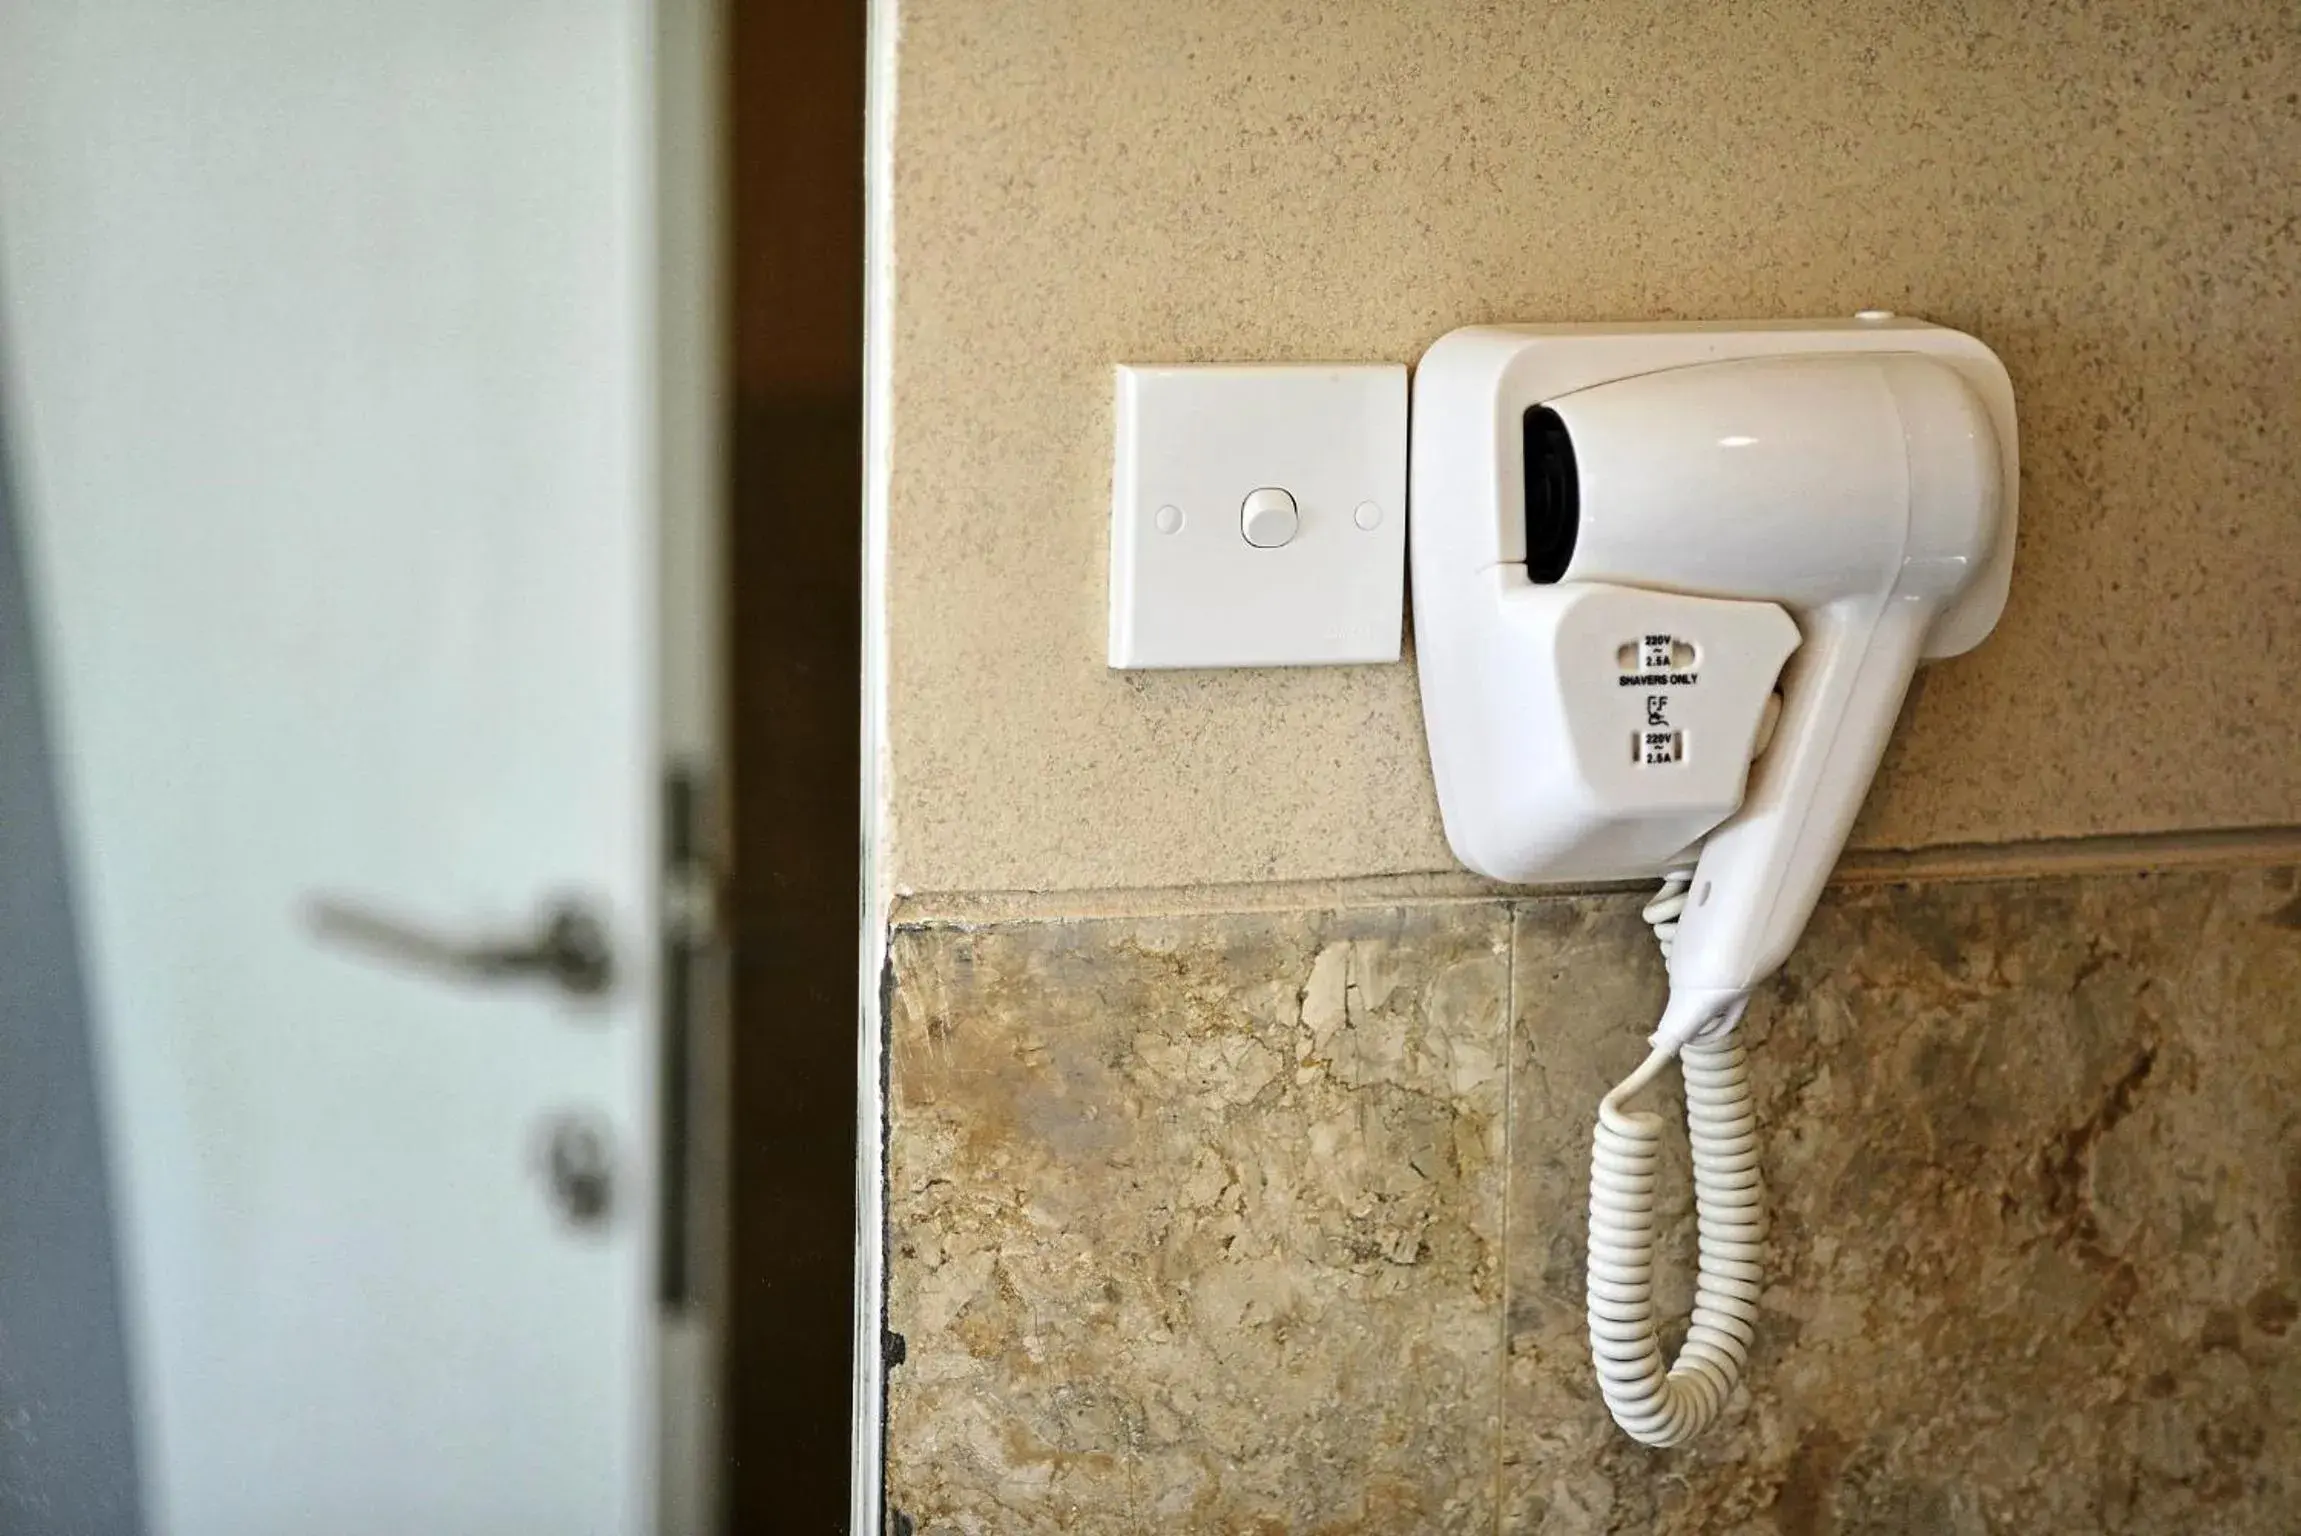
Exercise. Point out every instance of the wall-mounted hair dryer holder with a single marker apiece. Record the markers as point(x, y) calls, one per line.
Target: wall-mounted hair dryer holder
point(1795, 495)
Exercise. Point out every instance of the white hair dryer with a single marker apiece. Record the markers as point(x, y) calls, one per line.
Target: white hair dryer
point(1625, 540)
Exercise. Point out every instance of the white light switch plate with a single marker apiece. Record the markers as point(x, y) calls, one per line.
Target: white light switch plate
point(1187, 589)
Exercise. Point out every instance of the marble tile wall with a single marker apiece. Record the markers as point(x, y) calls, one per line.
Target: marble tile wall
point(1197, 1224)
point(1272, 1222)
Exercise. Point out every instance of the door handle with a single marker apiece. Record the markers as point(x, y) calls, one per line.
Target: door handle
point(568, 947)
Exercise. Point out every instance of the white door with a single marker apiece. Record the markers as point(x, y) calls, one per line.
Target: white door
point(327, 335)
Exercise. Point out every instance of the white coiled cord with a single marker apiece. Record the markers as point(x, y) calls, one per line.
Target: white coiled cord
point(1662, 912)
point(1653, 1407)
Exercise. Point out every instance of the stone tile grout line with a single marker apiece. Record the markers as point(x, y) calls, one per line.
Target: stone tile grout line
point(1509, 1174)
point(2137, 853)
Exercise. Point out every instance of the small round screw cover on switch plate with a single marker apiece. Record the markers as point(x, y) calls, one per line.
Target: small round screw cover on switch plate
point(1268, 518)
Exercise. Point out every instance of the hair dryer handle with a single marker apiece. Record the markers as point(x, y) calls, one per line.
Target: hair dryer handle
point(1763, 869)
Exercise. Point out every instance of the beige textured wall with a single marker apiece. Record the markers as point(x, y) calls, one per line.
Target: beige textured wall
point(2106, 194)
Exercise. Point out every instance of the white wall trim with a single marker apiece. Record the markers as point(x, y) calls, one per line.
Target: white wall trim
point(868, 1439)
